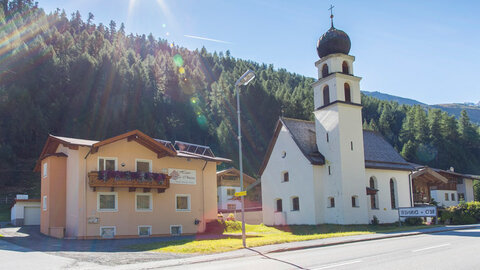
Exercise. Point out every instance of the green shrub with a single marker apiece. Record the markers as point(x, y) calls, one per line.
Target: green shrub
point(412, 221)
point(464, 213)
point(232, 225)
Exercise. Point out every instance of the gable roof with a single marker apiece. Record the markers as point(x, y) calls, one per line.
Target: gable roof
point(302, 132)
point(247, 178)
point(379, 154)
point(161, 147)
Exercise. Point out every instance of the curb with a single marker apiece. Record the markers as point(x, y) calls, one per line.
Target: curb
point(372, 239)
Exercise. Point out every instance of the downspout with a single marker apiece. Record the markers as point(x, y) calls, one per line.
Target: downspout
point(410, 188)
point(85, 196)
point(203, 196)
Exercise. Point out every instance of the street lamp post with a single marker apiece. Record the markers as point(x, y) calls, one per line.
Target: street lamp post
point(243, 80)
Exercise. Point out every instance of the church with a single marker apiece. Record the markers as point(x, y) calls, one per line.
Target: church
point(330, 170)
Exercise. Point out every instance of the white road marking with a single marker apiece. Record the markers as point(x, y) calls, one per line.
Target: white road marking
point(432, 247)
point(337, 264)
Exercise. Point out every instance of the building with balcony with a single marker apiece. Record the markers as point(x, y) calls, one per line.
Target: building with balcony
point(127, 186)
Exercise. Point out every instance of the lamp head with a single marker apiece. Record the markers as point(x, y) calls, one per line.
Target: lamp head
point(247, 77)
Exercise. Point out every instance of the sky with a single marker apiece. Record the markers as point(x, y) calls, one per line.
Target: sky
point(425, 50)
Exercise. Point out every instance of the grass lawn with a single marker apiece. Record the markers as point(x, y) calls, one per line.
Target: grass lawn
point(260, 235)
point(4, 212)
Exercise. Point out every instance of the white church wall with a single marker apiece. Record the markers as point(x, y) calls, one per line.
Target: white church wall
point(300, 184)
point(385, 213)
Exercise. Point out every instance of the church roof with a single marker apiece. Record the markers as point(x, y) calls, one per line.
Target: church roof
point(379, 154)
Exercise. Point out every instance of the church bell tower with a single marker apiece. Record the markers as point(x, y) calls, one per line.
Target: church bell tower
point(339, 132)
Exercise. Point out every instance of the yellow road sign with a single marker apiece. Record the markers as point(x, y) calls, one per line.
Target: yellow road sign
point(241, 193)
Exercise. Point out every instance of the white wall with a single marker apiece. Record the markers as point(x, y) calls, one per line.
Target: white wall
point(385, 213)
point(301, 182)
point(223, 197)
point(467, 189)
point(18, 210)
point(439, 196)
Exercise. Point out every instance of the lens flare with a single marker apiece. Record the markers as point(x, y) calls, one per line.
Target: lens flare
point(181, 70)
point(164, 25)
point(202, 121)
point(194, 100)
point(178, 60)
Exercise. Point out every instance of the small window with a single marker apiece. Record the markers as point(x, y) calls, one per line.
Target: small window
point(45, 167)
point(230, 191)
point(279, 205)
point(143, 165)
point(176, 230)
point(108, 231)
point(44, 203)
point(107, 201)
point(327, 138)
point(393, 194)
point(143, 202)
point(331, 202)
point(329, 171)
point(231, 206)
point(351, 146)
point(182, 203)
point(446, 196)
point(326, 95)
point(354, 201)
point(324, 70)
point(295, 204)
point(285, 177)
point(144, 230)
point(453, 197)
point(107, 164)
point(345, 68)
point(284, 154)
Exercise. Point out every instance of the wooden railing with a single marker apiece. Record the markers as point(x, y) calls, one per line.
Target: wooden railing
point(128, 179)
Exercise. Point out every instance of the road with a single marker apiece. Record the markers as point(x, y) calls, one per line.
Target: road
point(447, 250)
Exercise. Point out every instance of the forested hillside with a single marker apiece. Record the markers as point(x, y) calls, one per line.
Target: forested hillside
point(66, 75)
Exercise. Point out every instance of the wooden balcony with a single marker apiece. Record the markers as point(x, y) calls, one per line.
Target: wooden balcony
point(131, 180)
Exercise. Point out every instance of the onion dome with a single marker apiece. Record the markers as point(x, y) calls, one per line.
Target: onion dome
point(333, 41)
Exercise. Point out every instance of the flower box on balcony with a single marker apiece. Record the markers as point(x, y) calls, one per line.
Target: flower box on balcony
point(128, 179)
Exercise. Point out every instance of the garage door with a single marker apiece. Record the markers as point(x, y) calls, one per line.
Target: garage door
point(32, 215)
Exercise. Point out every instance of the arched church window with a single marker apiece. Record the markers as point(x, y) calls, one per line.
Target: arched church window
point(348, 94)
point(285, 177)
point(279, 206)
point(373, 198)
point(324, 70)
point(393, 193)
point(326, 95)
point(345, 68)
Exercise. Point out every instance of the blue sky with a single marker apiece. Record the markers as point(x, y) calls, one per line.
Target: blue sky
point(425, 50)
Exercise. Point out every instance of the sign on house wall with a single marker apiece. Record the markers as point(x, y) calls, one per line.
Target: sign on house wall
point(184, 177)
point(426, 211)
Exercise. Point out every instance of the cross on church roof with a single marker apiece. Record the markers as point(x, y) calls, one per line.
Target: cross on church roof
point(331, 13)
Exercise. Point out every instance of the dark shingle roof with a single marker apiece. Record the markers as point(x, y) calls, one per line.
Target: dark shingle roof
point(378, 152)
point(303, 133)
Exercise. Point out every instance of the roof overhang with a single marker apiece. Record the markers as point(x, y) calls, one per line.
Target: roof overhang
point(429, 175)
point(141, 138)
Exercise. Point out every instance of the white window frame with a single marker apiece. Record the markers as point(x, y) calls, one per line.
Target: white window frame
point(107, 193)
point(189, 203)
point(107, 158)
point(44, 203)
point(45, 167)
point(181, 230)
point(145, 226)
point(144, 160)
point(107, 227)
point(151, 202)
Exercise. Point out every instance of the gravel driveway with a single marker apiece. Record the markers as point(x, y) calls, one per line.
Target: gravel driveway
point(103, 252)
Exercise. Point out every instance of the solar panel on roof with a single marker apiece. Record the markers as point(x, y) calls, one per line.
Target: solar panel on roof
point(194, 148)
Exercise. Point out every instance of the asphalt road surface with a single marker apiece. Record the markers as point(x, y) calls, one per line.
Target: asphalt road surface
point(447, 250)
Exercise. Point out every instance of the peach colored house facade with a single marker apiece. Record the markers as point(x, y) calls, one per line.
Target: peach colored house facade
point(127, 186)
